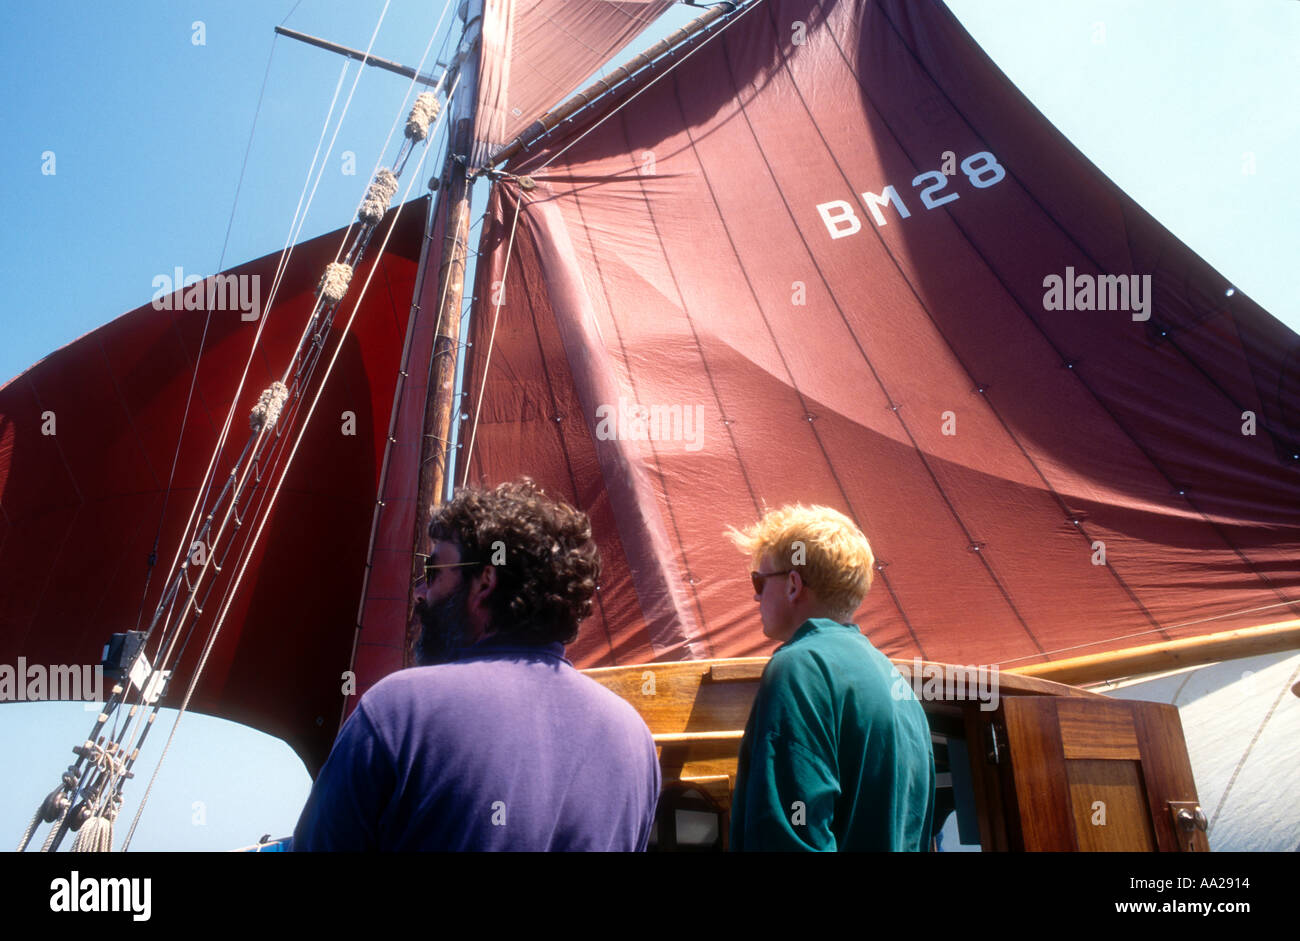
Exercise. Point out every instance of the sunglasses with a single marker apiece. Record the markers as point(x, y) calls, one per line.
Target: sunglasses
point(430, 567)
point(758, 578)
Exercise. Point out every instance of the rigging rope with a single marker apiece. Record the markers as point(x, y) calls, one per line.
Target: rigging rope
point(299, 379)
point(189, 398)
point(204, 490)
point(249, 547)
point(294, 234)
point(286, 254)
point(208, 480)
point(103, 772)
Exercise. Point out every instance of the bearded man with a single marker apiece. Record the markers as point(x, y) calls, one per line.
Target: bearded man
point(495, 741)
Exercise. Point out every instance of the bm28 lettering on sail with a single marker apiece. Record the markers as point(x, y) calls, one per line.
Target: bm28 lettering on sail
point(982, 170)
point(1071, 292)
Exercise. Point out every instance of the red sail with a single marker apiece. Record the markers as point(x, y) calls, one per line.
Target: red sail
point(87, 437)
point(836, 257)
point(385, 604)
point(535, 52)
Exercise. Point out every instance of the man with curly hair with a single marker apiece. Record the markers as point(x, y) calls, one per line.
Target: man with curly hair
point(495, 741)
point(836, 754)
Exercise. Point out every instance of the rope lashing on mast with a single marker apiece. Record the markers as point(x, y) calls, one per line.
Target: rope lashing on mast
point(425, 112)
point(334, 282)
point(268, 407)
point(379, 196)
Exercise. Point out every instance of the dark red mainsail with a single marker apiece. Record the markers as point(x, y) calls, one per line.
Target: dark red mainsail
point(836, 257)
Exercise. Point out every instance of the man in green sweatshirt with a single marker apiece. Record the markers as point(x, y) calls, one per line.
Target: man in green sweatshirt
point(836, 754)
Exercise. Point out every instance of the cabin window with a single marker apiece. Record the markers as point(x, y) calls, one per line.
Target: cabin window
point(688, 821)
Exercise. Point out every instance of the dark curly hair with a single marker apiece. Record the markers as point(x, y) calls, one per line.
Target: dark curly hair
point(547, 564)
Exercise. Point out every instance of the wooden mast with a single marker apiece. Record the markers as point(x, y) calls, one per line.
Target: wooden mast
point(440, 404)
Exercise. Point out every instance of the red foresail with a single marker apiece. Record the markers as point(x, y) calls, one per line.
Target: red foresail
point(87, 438)
point(535, 52)
point(836, 257)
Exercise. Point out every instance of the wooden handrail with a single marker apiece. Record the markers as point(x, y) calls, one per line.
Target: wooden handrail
point(685, 738)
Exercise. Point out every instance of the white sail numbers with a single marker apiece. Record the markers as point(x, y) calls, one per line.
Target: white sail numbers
point(982, 171)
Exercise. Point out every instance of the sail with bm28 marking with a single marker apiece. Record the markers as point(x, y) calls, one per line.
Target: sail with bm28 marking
point(836, 257)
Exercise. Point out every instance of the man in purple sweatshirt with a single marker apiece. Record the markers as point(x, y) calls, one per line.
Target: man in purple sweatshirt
point(495, 742)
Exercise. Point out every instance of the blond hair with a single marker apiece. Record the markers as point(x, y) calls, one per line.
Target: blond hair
point(823, 545)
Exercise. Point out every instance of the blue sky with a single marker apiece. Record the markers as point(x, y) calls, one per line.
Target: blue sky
point(1188, 106)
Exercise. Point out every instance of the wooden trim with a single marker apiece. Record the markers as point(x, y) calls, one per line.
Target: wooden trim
point(1089, 731)
point(709, 780)
point(683, 738)
point(1168, 655)
point(1041, 791)
point(742, 668)
point(628, 678)
point(1167, 773)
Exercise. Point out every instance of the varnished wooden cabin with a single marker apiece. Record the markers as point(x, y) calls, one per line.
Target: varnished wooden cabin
point(1052, 767)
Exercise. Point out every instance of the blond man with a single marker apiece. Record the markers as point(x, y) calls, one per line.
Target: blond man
point(836, 754)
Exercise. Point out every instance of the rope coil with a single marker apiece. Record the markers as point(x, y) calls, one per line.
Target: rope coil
point(95, 836)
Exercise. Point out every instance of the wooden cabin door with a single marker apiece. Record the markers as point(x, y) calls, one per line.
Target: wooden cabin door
point(1096, 775)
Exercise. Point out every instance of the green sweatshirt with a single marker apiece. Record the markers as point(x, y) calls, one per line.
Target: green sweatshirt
point(836, 754)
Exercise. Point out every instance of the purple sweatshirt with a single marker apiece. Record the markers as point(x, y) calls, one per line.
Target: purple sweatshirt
point(505, 748)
